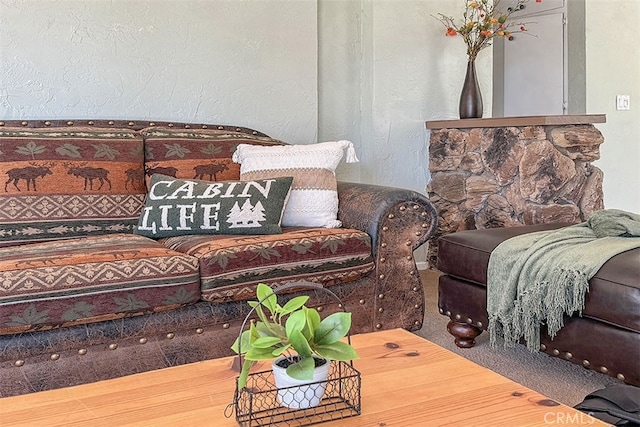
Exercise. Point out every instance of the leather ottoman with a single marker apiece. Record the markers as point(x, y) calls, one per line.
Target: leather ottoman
point(606, 338)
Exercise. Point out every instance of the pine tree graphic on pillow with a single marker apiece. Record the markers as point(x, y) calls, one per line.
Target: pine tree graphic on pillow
point(247, 216)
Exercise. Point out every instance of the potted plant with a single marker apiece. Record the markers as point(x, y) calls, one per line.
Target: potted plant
point(300, 342)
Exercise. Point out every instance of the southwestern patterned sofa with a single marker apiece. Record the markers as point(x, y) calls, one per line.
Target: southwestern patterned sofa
point(83, 298)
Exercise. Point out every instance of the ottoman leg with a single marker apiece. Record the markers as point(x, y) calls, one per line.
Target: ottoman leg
point(463, 333)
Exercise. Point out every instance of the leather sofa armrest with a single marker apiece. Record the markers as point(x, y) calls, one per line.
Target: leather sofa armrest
point(398, 221)
point(387, 214)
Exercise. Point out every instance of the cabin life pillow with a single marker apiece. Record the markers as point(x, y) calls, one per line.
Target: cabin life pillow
point(313, 201)
point(176, 207)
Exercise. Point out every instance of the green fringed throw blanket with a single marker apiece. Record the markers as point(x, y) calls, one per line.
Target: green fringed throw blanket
point(536, 278)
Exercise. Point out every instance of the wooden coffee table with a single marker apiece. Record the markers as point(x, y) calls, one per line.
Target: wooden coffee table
point(406, 381)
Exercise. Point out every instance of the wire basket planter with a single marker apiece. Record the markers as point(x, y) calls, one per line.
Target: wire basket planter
point(258, 404)
point(262, 403)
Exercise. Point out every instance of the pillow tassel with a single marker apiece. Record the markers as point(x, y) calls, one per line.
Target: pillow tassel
point(236, 157)
point(334, 223)
point(351, 151)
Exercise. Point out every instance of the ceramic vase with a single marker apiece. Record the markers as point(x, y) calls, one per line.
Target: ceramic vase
point(471, 97)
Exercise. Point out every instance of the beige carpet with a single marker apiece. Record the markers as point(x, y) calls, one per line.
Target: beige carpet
point(557, 379)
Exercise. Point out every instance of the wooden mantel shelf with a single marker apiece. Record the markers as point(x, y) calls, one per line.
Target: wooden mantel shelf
point(559, 120)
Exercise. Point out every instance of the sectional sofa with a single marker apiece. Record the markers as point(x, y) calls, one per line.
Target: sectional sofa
point(84, 297)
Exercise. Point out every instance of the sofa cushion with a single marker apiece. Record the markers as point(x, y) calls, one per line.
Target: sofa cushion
point(465, 255)
point(64, 182)
point(89, 279)
point(314, 199)
point(232, 266)
point(196, 153)
point(175, 207)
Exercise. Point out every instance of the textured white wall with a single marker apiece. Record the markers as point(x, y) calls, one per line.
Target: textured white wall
point(251, 63)
point(340, 70)
point(385, 68)
point(416, 75)
point(371, 71)
point(613, 68)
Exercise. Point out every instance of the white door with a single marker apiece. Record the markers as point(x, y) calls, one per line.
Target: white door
point(534, 68)
point(532, 7)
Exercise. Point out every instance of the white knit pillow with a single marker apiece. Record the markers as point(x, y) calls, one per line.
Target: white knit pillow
point(313, 201)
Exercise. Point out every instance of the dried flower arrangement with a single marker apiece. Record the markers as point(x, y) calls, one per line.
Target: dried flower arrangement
point(482, 21)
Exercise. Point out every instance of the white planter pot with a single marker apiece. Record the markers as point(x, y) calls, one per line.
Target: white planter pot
point(300, 394)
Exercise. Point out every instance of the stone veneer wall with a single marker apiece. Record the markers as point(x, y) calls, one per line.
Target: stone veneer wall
point(509, 176)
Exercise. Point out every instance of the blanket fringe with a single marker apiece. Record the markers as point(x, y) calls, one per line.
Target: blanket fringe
point(567, 296)
point(543, 303)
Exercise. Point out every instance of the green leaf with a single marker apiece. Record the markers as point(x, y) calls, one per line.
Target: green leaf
point(211, 149)
point(262, 329)
point(176, 150)
point(294, 304)
point(295, 323)
point(278, 351)
point(129, 303)
point(333, 244)
point(267, 297)
point(300, 344)
point(302, 370)
point(266, 342)
point(266, 253)
point(181, 296)
point(69, 150)
point(31, 149)
point(104, 150)
point(313, 320)
point(270, 329)
point(258, 354)
point(244, 374)
point(258, 307)
point(244, 341)
point(333, 328)
point(302, 248)
point(222, 259)
point(79, 310)
point(30, 316)
point(337, 351)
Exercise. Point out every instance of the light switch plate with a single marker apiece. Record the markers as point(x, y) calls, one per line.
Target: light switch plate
point(622, 102)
